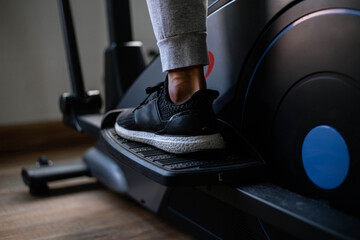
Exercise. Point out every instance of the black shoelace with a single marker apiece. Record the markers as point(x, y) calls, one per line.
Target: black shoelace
point(150, 90)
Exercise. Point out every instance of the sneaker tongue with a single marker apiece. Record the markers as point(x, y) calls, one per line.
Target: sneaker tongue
point(166, 88)
point(150, 90)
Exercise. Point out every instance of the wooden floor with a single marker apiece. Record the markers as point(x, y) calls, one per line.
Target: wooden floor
point(76, 209)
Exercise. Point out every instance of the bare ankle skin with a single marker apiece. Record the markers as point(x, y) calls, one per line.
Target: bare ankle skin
point(184, 82)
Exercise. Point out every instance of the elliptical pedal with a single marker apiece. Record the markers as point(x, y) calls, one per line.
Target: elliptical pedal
point(201, 168)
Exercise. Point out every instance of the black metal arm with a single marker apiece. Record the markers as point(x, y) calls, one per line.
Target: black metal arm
point(71, 48)
point(78, 102)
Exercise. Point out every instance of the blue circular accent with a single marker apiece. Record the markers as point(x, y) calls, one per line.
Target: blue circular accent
point(325, 157)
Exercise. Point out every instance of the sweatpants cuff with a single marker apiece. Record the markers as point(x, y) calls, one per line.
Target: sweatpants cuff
point(183, 51)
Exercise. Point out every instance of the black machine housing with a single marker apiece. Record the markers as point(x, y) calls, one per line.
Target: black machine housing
point(283, 68)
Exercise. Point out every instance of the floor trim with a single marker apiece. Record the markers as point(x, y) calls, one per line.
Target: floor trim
point(36, 136)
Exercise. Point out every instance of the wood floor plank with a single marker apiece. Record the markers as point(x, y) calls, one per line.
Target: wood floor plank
point(76, 209)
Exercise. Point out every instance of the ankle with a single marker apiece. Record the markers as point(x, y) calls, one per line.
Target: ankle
point(184, 82)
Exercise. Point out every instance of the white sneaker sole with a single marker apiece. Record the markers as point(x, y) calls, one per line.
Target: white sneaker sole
point(174, 144)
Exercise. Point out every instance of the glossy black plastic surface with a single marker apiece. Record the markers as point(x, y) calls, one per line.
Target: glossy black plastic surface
point(228, 166)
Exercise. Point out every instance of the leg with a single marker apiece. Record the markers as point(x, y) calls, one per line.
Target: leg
point(179, 118)
point(180, 29)
point(184, 82)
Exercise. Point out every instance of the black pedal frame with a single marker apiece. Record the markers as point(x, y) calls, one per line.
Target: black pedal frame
point(195, 169)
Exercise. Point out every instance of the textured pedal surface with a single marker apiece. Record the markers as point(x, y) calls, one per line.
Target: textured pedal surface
point(187, 169)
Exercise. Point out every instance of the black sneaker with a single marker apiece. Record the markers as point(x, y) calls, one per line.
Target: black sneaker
point(183, 128)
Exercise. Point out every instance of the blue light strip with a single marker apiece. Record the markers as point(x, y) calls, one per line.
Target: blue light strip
point(294, 24)
point(225, 5)
point(212, 4)
point(262, 228)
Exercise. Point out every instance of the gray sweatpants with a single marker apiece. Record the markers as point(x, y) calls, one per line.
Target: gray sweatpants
point(180, 30)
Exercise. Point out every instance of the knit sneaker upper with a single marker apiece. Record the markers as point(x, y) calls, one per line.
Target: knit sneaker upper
point(196, 111)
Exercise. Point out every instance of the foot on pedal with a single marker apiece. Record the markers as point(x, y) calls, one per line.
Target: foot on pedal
point(184, 128)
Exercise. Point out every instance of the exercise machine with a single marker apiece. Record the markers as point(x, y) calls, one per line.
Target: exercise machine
point(289, 82)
